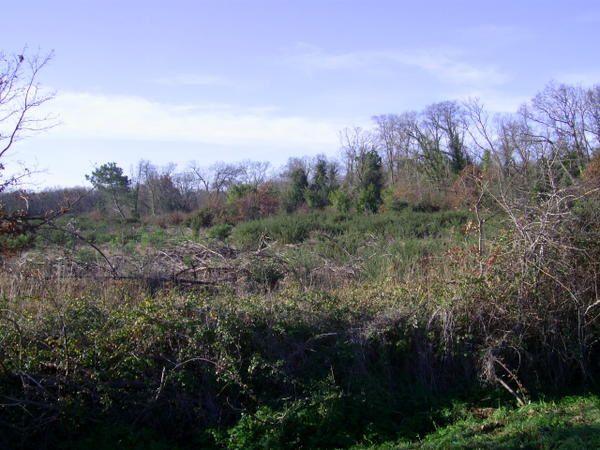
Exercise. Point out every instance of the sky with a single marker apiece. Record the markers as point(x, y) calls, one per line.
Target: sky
point(223, 80)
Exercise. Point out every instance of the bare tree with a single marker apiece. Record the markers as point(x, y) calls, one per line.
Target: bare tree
point(156, 190)
point(215, 180)
point(395, 140)
point(254, 172)
point(21, 97)
point(563, 117)
point(592, 122)
point(355, 142)
point(185, 183)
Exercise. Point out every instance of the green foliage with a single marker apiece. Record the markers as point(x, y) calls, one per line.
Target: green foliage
point(369, 199)
point(202, 218)
point(153, 238)
point(321, 186)
point(458, 155)
point(292, 229)
point(220, 232)
point(295, 193)
point(113, 184)
point(571, 423)
point(391, 202)
point(371, 181)
point(56, 237)
point(435, 163)
point(340, 200)
point(264, 275)
point(15, 243)
point(109, 177)
point(344, 329)
point(319, 421)
point(285, 229)
point(249, 202)
point(238, 191)
point(86, 255)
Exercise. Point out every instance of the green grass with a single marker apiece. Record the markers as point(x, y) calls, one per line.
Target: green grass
point(570, 423)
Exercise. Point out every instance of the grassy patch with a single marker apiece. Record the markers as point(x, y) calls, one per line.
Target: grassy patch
point(571, 423)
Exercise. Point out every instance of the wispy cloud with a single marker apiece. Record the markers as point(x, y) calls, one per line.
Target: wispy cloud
point(92, 116)
point(189, 79)
point(584, 78)
point(494, 101)
point(445, 64)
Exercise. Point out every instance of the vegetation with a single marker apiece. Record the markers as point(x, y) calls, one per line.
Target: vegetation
point(571, 423)
point(438, 287)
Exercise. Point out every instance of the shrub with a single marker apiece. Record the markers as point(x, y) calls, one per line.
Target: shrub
point(220, 232)
point(165, 220)
point(14, 243)
point(153, 238)
point(392, 202)
point(201, 219)
point(319, 421)
point(340, 200)
point(285, 229)
point(264, 275)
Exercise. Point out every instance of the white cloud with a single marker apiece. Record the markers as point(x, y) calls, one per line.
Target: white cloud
point(93, 116)
point(494, 101)
point(445, 64)
point(584, 78)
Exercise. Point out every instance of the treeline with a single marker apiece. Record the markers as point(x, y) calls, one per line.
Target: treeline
point(432, 159)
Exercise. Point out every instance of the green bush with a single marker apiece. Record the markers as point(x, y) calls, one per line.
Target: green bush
point(392, 203)
point(19, 242)
point(265, 274)
point(297, 228)
point(153, 238)
point(203, 218)
point(341, 200)
point(319, 421)
point(220, 232)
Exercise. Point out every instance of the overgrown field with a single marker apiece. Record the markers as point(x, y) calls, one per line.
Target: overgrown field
point(312, 330)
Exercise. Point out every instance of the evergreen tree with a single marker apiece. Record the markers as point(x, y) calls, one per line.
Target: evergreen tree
point(110, 181)
point(297, 189)
point(370, 171)
point(317, 194)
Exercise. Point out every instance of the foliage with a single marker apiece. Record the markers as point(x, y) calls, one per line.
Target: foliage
point(340, 200)
point(380, 357)
point(323, 183)
point(370, 182)
point(323, 328)
point(109, 177)
point(248, 202)
point(296, 190)
point(571, 423)
point(221, 231)
point(292, 229)
point(202, 218)
point(114, 186)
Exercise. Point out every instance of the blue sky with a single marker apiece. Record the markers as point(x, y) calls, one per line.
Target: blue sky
point(226, 80)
